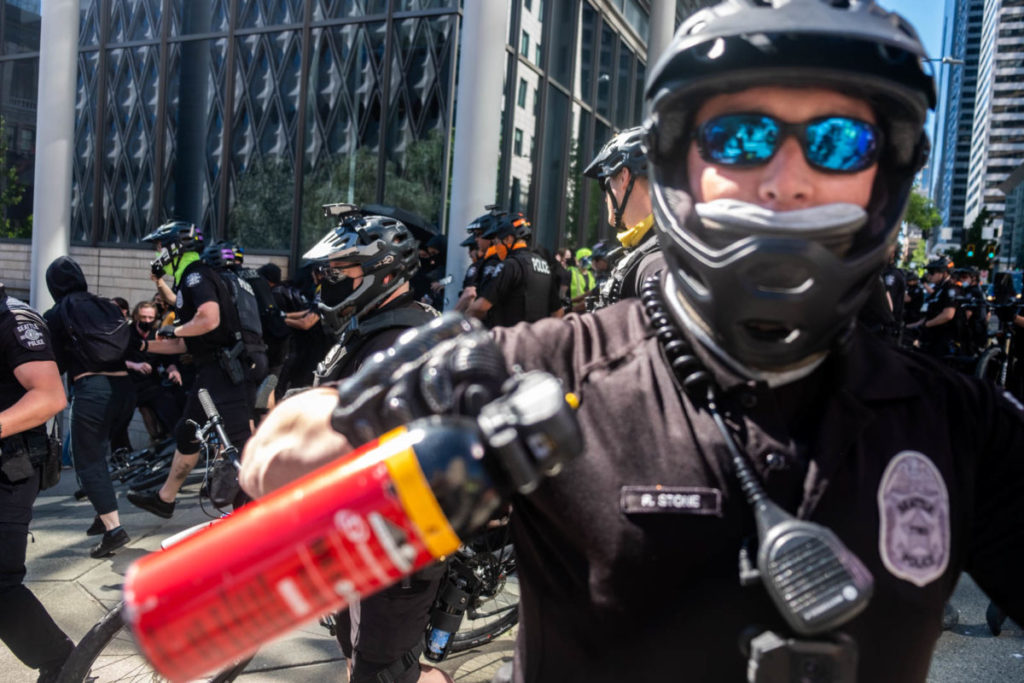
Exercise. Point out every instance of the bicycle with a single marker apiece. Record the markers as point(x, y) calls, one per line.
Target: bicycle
point(486, 566)
point(997, 363)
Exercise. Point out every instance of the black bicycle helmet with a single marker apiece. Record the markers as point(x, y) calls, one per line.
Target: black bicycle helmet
point(624, 150)
point(486, 222)
point(174, 238)
point(222, 254)
point(382, 246)
point(521, 226)
point(938, 265)
point(767, 297)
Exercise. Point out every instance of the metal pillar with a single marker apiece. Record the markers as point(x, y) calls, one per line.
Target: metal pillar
point(55, 140)
point(659, 34)
point(477, 128)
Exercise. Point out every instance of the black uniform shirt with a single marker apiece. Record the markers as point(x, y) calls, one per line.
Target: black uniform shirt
point(24, 338)
point(200, 284)
point(616, 586)
point(522, 291)
point(944, 296)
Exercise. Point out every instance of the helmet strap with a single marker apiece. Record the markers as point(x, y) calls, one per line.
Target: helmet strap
point(619, 209)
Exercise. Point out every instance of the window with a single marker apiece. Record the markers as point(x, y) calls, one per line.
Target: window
point(536, 54)
point(528, 4)
point(523, 89)
point(536, 101)
point(524, 45)
point(517, 143)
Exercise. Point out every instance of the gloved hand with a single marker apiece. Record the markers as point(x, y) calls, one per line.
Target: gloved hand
point(447, 367)
point(166, 332)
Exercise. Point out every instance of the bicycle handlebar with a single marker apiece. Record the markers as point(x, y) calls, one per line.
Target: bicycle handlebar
point(213, 415)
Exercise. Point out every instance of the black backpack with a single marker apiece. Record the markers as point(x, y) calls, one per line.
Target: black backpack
point(99, 333)
point(271, 317)
point(246, 306)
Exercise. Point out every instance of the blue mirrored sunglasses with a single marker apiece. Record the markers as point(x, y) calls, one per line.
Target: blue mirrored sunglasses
point(833, 144)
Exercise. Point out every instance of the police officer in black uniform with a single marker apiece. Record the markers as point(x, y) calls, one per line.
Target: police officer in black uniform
point(523, 290)
point(938, 327)
point(208, 329)
point(976, 314)
point(367, 263)
point(30, 394)
point(783, 142)
point(491, 254)
point(621, 169)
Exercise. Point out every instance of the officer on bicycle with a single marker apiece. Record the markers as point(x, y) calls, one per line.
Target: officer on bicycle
point(366, 263)
point(208, 329)
point(783, 141)
point(621, 169)
point(31, 393)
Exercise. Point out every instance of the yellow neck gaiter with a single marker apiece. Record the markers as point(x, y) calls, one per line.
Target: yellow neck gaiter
point(631, 237)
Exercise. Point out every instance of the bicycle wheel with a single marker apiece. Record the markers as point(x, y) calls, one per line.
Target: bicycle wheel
point(108, 654)
point(495, 607)
point(990, 365)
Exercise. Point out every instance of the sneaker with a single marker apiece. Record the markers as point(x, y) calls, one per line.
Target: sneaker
point(97, 527)
point(150, 501)
point(80, 494)
point(995, 617)
point(111, 541)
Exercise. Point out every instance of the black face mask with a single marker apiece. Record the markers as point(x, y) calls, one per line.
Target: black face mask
point(333, 293)
point(145, 325)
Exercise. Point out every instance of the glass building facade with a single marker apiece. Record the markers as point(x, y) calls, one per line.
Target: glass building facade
point(245, 116)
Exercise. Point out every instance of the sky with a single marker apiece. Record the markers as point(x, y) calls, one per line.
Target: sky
point(926, 16)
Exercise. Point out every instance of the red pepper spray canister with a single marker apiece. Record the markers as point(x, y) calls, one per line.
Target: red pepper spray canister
point(351, 528)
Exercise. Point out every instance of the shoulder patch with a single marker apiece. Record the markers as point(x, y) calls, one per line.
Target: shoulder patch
point(29, 334)
point(913, 512)
point(193, 279)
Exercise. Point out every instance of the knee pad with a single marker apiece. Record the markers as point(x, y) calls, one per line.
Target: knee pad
point(185, 438)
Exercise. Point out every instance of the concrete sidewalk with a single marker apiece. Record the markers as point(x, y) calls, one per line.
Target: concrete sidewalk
point(78, 590)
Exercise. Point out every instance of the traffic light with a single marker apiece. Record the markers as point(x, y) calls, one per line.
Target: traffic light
point(991, 249)
point(970, 251)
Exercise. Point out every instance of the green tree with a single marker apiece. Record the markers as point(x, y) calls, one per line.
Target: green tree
point(11, 191)
point(921, 212)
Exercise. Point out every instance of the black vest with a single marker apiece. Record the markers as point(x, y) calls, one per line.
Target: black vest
point(528, 302)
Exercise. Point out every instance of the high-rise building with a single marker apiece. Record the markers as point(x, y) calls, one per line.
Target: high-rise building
point(964, 20)
point(997, 140)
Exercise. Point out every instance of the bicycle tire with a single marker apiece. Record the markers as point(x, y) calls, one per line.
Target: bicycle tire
point(499, 606)
point(112, 645)
point(986, 367)
point(149, 478)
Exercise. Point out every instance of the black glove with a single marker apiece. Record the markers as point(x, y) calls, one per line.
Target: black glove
point(447, 367)
point(166, 332)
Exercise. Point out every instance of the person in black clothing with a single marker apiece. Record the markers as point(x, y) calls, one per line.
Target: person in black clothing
point(309, 340)
point(489, 256)
point(366, 303)
point(157, 379)
point(621, 169)
point(783, 140)
point(975, 310)
point(225, 258)
point(208, 329)
point(938, 327)
point(102, 403)
point(523, 289)
point(30, 394)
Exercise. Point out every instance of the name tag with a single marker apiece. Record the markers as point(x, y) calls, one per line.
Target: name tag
point(686, 500)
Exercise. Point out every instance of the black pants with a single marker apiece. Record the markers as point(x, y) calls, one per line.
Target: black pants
point(101, 407)
point(25, 625)
point(165, 401)
point(383, 627)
